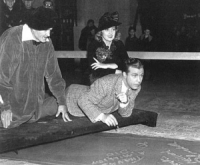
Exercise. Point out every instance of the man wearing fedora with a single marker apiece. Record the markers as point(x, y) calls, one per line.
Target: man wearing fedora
point(26, 58)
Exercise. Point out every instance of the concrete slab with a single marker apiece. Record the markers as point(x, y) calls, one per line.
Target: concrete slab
point(110, 149)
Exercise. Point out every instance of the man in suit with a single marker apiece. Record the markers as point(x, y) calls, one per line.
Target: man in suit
point(107, 94)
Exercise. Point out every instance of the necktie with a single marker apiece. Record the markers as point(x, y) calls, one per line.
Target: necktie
point(36, 43)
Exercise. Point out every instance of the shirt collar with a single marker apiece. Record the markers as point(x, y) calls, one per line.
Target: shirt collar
point(124, 87)
point(27, 34)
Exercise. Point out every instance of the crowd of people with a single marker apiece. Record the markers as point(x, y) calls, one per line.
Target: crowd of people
point(13, 14)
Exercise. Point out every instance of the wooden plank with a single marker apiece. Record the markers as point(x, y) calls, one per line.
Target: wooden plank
point(54, 129)
point(141, 55)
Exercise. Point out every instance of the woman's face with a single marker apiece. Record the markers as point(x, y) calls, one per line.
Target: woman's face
point(109, 34)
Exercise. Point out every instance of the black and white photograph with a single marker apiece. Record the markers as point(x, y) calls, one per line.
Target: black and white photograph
point(99, 82)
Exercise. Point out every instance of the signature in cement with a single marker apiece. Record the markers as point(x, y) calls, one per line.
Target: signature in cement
point(120, 157)
point(189, 157)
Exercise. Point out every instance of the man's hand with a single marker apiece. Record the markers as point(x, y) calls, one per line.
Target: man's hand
point(63, 109)
point(109, 119)
point(122, 97)
point(6, 118)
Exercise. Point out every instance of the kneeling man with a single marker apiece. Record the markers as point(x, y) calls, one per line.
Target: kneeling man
point(114, 92)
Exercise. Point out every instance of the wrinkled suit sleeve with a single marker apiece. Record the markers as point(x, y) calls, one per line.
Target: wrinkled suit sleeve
point(7, 67)
point(88, 102)
point(54, 77)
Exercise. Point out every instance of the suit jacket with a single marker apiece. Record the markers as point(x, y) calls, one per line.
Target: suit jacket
point(99, 98)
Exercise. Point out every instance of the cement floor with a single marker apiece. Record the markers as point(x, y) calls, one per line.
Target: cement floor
point(174, 86)
point(109, 149)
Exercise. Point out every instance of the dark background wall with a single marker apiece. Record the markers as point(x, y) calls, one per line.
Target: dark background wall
point(163, 17)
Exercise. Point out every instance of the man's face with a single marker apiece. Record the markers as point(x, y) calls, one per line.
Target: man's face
point(49, 5)
point(10, 3)
point(147, 32)
point(90, 24)
point(132, 32)
point(28, 4)
point(41, 35)
point(134, 77)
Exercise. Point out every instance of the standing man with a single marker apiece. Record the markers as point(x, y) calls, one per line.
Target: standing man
point(48, 4)
point(83, 42)
point(26, 57)
point(9, 15)
point(85, 33)
point(114, 92)
point(27, 10)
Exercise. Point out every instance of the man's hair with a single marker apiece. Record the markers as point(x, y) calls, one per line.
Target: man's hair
point(132, 62)
point(90, 21)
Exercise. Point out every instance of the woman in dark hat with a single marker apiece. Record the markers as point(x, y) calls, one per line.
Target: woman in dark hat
point(106, 55)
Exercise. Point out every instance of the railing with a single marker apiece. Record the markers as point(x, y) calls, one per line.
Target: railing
point(141, 55)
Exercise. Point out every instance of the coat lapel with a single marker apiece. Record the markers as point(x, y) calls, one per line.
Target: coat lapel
point(117, 90)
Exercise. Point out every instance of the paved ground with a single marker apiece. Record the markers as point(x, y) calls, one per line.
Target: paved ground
point(109, 149)
point(172, 89)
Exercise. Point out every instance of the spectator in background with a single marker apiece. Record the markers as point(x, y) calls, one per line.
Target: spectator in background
point(118, 35)
point(85, 33)
point(10, 15)
point(48, 4)
point(91, 36)
point(106, 55)
point(147, 44)
point(147, 41)
point(27, 10)
point(131, 42)
point(83, 42)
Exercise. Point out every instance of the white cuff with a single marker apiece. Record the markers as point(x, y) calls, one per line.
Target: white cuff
point(99, 118)
point(122, 105)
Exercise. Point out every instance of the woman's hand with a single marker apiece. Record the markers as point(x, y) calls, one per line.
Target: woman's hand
point(96, 65)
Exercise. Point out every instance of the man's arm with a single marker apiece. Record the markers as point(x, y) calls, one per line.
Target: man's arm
point(90, 100)
point(126, 108)
point(54, 77)
point(7, 68)
point(56, 84)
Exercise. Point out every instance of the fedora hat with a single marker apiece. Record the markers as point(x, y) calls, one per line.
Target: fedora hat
point(108, 20)
point(42, 19)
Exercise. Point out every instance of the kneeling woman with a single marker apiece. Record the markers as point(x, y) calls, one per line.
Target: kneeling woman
point(106, 54)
